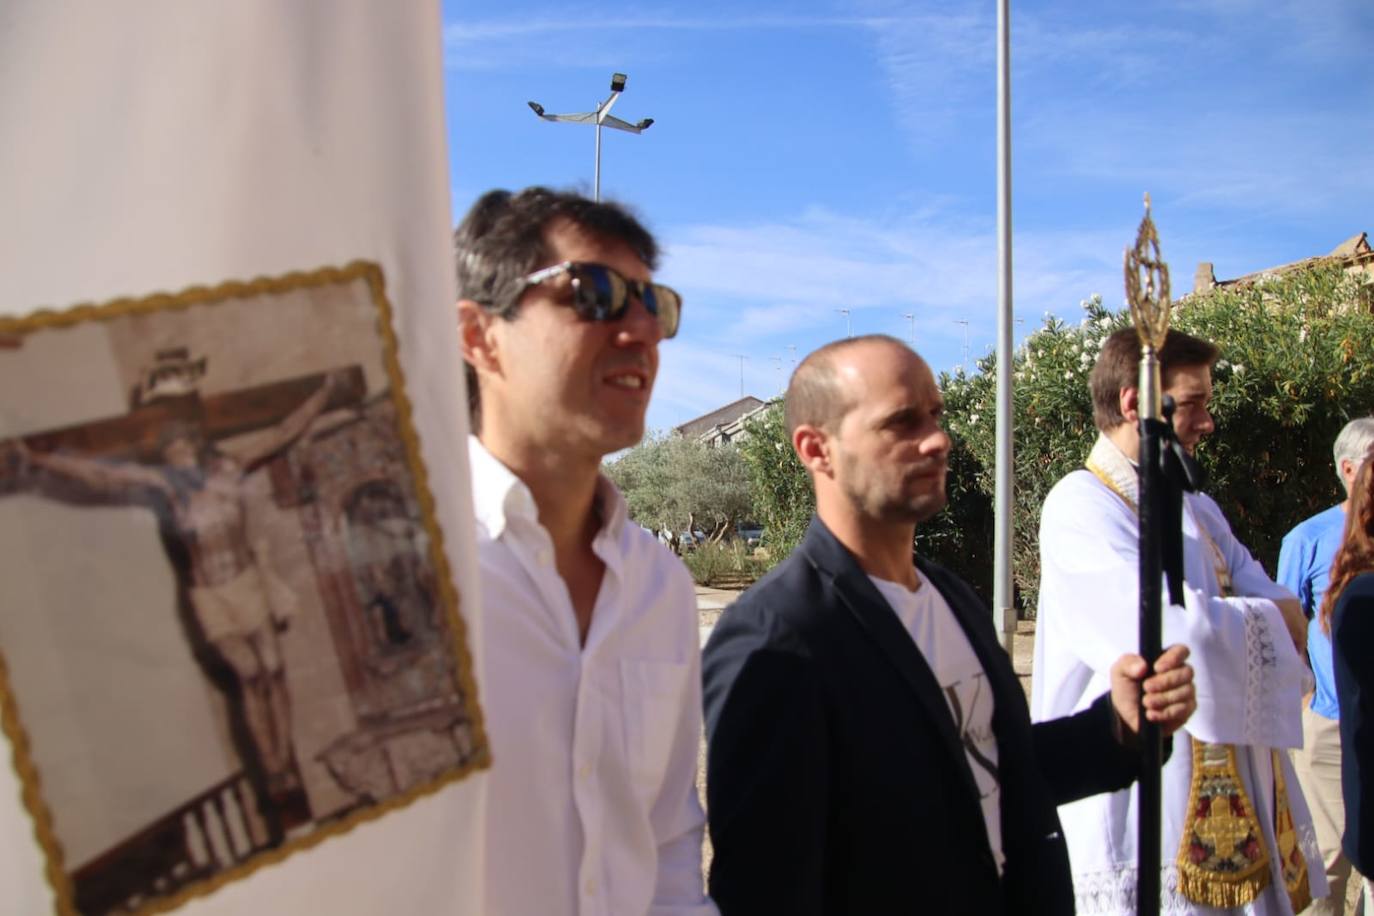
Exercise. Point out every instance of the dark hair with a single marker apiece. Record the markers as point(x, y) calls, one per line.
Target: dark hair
point(813, 396)
point(1118, 367)
point(1356, 553)
point(501, 241)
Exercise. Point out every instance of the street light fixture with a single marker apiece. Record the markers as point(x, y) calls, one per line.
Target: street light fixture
point(600, 117)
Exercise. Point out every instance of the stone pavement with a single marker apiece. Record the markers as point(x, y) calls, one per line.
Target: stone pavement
point(710, 602)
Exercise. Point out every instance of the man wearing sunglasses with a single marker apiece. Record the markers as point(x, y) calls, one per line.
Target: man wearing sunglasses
point(591, 689)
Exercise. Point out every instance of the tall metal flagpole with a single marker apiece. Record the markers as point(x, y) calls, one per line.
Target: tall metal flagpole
point(1004, 614)
point(1147, 291)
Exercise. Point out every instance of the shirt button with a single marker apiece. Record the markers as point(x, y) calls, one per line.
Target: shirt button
point(584, 771)
point(590, 886)
point(543, 558)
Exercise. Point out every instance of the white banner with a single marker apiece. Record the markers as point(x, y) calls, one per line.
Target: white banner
point(248, 193)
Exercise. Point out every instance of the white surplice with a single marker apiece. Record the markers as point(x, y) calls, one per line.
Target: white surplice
point(1249, 677)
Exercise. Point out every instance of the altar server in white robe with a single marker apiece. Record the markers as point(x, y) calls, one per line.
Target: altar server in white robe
point(1241, 839)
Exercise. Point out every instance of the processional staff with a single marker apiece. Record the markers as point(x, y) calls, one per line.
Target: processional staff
point(1165, 472)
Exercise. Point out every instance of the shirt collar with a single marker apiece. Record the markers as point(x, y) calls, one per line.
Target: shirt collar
point(499, 496)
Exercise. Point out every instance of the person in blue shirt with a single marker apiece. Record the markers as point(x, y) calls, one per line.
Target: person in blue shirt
point(1305, 568)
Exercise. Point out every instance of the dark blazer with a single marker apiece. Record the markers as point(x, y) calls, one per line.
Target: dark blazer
point(836, 783)
point(1352, 655)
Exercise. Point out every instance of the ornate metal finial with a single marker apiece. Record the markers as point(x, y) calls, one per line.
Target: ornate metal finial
point(1147, 285)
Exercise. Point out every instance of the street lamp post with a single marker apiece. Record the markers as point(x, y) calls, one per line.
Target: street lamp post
point(848, 325)
point(963, 360)
point(600, 117)
point(911, 317)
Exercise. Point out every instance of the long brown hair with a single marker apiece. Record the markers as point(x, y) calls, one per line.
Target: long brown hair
point(1356, 553)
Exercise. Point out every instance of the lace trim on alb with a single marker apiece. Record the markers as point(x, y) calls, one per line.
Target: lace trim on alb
point(1113, 892)
point(1261, 705)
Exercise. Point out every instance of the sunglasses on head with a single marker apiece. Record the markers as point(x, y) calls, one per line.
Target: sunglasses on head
point(600, 293)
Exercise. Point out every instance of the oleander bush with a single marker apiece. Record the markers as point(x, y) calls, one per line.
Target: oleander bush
point(1297, 362)
point(783, 502)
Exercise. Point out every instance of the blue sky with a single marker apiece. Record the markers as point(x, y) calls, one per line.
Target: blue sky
point(808, 157)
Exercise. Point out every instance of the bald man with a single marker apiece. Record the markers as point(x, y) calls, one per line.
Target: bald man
point(870, 750)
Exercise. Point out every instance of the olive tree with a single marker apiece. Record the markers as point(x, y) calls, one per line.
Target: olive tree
point(677, 484)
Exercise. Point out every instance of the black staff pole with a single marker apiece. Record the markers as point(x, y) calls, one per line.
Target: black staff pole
point(1152, 536)
point(1147, 290)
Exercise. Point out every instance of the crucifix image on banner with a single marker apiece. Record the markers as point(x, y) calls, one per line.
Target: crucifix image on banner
point(275, 653)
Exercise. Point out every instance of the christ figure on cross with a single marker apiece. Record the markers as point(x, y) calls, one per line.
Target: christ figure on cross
point(199, 493)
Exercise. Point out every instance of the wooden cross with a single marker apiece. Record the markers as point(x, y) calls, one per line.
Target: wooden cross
point(135, 435)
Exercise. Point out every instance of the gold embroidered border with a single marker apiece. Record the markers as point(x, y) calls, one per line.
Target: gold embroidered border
point(1292, 862)
point(10, 723)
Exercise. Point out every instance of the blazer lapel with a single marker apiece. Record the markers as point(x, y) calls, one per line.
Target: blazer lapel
point(876, 618)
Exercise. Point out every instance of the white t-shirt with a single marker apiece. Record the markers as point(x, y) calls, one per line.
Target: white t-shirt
point(937, 634)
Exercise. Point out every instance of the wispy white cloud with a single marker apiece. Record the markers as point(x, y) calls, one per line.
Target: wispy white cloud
point(1296, 29)
point(1164, 81)
point(754, 289)
point(795, 274)
point(570, 22)
point(1280, 163)
point(573, 35)
point(937, 68)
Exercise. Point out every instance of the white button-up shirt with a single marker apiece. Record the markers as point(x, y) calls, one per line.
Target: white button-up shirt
point(592, 801)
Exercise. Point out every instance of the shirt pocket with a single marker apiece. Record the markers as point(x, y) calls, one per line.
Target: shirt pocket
point(652, 697)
